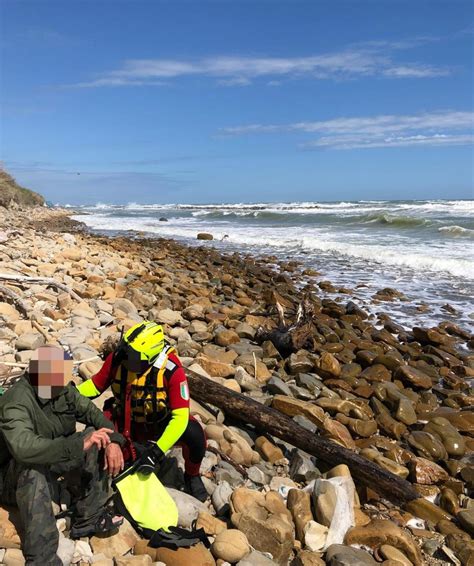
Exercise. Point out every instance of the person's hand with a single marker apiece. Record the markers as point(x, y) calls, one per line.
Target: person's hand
point(113, 461)
point(119, 354)
point(99, 438)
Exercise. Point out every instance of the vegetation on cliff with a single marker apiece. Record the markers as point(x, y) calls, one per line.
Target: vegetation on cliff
point(12, 194)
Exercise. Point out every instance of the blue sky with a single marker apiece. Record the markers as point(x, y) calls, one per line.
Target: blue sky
point(132, 101)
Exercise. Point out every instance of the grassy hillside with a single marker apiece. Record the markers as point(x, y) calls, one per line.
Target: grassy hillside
point(11, 192)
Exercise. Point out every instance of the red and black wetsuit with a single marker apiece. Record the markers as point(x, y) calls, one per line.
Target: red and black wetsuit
point(179, 427)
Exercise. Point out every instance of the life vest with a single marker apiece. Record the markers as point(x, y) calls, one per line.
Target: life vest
point(149, 403)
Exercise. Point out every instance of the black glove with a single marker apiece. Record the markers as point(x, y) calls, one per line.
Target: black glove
point(149, 458)
point(119, 354)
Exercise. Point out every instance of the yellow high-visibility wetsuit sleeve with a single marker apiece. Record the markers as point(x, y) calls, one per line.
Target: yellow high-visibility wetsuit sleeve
point(88, 389)
point(174, 430)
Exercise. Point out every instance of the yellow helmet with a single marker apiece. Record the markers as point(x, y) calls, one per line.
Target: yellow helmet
point(145, 339)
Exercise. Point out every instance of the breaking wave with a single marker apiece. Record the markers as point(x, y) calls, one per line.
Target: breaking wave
point(456, 231)
point(386, 219)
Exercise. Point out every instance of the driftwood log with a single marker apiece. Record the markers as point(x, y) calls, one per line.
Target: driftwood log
point(273, 422)
point(48, 281)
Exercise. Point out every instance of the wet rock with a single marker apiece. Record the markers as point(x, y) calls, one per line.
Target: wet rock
point(376, 373)
point(338, 432)
point(299, 363)
point(328, 366)
point(427, 445)
point(413, 377)
point(379, 532)
point(453, 441)
point(230, 545)
point(427, 511)
point(204, 236)
point(366, 357)
point(357, 426)
point(405, 412)
point(463, 421)
point(449, 501)
point(386, 422)
point(426, 472)
point(386, 463)
point(430, 336)
point(341, 555)
point(346, 407)
point(466, 520)
point(293, 407)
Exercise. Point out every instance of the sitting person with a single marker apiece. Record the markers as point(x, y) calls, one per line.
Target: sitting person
point(39, 442)
point(151, 401)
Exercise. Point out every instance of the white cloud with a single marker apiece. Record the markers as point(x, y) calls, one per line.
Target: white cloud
point(434, 128)
point(354, 142)
point(415, 71)
point(367, 59)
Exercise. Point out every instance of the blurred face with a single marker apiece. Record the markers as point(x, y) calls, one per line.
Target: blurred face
point(49, 371)
point(133, 362)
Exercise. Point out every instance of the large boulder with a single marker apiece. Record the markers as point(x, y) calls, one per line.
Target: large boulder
point(230, 545)
point(379, 532)
point(265, 520)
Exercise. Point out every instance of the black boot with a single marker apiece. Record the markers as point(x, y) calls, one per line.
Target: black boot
point(195, 487)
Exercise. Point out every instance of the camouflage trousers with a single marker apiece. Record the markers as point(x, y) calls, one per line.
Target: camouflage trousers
point(31, 489)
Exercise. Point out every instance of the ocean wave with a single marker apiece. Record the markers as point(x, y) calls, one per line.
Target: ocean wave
point(392, 253)
point(395, 221)
point(456, 231)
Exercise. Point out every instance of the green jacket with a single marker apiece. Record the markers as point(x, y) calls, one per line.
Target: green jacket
point(43, 432)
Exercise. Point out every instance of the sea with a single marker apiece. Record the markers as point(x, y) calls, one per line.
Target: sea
point(425, 249)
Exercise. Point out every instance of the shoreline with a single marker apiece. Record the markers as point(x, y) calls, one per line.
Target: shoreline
point(418, 301)
point(380, 387)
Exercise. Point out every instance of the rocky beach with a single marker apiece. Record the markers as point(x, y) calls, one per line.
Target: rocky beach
point(400, 398)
